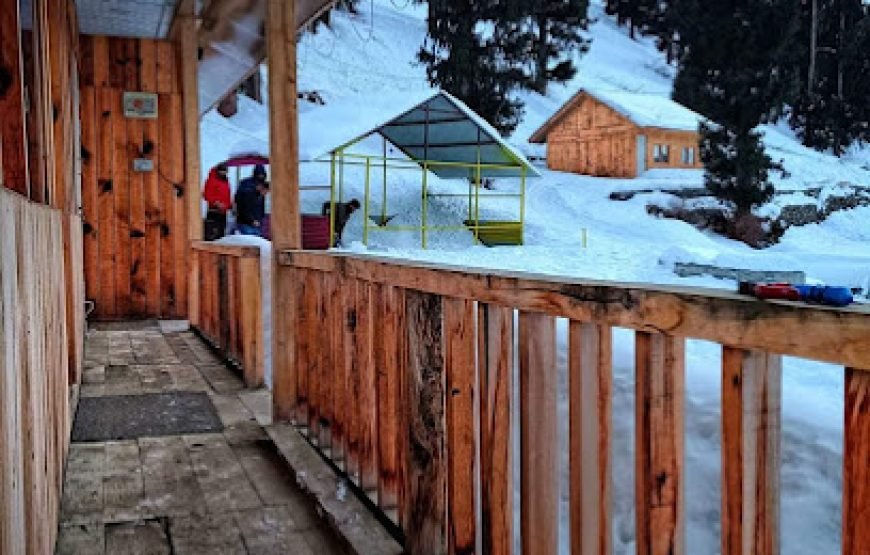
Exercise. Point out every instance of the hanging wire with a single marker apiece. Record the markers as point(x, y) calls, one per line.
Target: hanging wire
point(371, 25)
point(402, 6)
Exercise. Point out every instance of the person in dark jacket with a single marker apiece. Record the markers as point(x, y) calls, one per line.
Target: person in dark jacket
point(343, 212)
point(251, 202)
point(217, 195)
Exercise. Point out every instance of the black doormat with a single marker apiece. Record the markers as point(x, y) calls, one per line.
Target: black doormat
point(155, 414)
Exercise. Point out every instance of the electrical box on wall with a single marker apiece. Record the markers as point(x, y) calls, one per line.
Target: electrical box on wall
point(139, 105)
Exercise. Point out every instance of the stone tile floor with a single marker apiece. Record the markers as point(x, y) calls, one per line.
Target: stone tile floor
point(185, 494)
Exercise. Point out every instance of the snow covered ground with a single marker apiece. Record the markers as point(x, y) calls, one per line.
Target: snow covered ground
point(366, 63)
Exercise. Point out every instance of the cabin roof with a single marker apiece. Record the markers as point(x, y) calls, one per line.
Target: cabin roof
point(642, 109)
point(430, 127)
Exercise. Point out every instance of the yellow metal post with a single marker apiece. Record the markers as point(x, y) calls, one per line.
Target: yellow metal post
point(523, 205)
point(366, 204)
point(424, 215)
point(477, 197)
point(384, 200)
point(332, 201)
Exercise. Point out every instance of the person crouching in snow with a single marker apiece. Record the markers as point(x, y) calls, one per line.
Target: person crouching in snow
point(217, 194)
point(251, 202)
point(343, 212)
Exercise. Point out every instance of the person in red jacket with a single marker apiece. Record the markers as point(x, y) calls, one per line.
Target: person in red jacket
point(217, 195)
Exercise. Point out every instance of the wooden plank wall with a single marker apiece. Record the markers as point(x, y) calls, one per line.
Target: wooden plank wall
point(676, 140)
point(231, 304)
point(34, 404)
point(595, 140)
point(136, 224)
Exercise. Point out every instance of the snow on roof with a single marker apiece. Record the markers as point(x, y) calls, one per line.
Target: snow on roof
point(642, 109)
point(433, 126)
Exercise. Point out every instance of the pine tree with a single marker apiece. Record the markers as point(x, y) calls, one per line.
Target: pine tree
point(466, 54)
point(732, 70)
point(829, 54)
point(557, 34)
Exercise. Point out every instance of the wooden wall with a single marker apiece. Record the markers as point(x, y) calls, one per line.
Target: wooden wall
point(135, 243)
point(593, 139)
point(677, 140)
point(34, 404)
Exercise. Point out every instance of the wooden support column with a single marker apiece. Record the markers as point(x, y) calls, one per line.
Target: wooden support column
point(590, 380)
point(424, 515)
point(659, 440)
point(856, 471)
point(13, 133)
point(751, 426)
point(185, 33)
point(286, 222)
point(495, 376)
point(539, 382)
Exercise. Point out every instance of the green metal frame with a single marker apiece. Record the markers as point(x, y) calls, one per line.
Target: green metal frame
point(341, 158)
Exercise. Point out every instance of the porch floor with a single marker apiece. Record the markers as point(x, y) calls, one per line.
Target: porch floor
point(206, 493)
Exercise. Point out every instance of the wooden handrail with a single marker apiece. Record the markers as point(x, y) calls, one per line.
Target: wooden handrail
point(403, 377)
point(237, 251)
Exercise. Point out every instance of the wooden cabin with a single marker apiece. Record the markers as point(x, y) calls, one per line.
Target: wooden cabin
point(620, 134)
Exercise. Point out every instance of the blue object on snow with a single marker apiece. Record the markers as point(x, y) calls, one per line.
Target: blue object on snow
point(826, 294)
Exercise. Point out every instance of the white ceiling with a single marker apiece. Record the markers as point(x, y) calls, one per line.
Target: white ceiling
point(119, 18)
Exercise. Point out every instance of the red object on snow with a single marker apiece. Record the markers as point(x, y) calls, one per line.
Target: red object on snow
point(315, 232)
point(782, 291)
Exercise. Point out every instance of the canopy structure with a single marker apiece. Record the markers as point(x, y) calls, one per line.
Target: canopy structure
point(444, 137)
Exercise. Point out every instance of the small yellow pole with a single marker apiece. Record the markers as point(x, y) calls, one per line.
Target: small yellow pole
point(384, 200)
point(424, 215)
point(332, 201)
point(585, 236)
point(523, 205)
point(366, 209)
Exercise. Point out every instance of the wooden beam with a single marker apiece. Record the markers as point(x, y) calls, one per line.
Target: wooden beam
point(539, 382)
point(856, 471)
point(590, 382)
point(286, 221)
point(459, 365)
point(659, 441)
point(496, 363)
point(795, 329)
point(751, 428)
point(425, 488)
point(13, 132)
point(188, 57)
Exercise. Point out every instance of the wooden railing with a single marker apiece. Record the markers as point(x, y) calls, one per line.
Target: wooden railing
point(230, 307)
point(403, 376)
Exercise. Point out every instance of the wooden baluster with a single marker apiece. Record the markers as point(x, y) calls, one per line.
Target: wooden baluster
point(337, 319)
point(252, 321)
point(539, 448)
point(352, 410)
point(424, 514)
point(856, 471)
point(326, 369)
point(751, 427)
point(389, 356)
point(303, 325)
point(590, 379)
point(659, 440)
point(495, 355)
point(365, 386)
point(459, 363)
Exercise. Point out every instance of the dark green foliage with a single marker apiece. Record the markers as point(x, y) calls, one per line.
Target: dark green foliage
point(736, 167)
point(733, 71)
point(831, 111)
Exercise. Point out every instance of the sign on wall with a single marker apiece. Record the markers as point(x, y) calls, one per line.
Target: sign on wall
point(138, 105)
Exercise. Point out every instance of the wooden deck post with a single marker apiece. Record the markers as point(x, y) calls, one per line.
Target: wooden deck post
point(185, 30)
point(13, 134)
point(286, 222)
point(856, 474)
point(751, 401)
point(659, 440)
point(590, 381)
point(539, 382)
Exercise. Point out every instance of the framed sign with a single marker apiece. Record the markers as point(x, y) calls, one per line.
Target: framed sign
point(138, 105)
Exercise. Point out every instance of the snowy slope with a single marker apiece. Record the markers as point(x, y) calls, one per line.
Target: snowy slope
point(366, 63)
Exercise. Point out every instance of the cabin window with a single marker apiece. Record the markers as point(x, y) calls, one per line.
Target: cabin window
point(689, 156)
point(661, 153)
